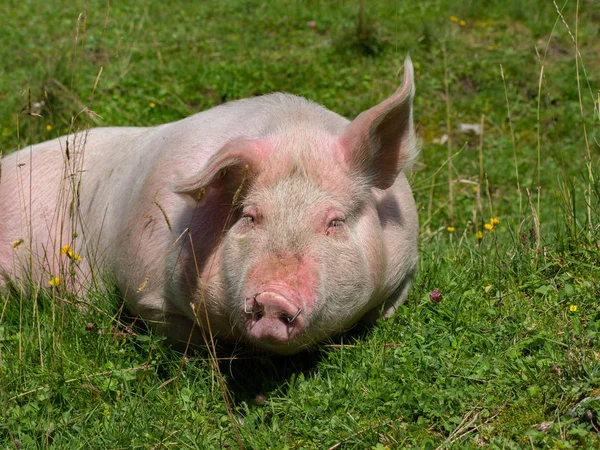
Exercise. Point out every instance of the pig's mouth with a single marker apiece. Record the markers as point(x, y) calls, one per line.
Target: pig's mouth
point(273, 317)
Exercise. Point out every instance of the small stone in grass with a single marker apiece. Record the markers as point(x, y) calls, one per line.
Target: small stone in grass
point(544, 426)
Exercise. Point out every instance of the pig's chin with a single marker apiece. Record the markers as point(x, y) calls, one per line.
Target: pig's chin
point(283, 349)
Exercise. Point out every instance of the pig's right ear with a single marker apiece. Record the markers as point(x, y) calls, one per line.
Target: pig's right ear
point(381, 141)
point(227, 169)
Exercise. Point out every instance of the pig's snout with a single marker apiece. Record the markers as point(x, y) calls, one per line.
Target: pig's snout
point(271, 316)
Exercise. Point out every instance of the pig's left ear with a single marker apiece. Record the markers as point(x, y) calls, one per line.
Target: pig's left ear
point(381, 141)
point(229, 168)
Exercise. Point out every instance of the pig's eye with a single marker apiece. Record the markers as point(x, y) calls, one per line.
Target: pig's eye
point(334, 226)
point(248, 220)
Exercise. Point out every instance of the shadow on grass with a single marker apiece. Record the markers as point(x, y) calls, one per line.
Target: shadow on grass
point(251, 375)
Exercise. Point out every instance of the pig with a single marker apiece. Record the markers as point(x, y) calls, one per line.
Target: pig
point(272, 220)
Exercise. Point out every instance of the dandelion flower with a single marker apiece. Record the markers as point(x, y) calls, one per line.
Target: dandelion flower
point(488, 226)
point(450, 229)
point(494, 221)
point(479, 235)
point(54, 281)
point(462, 23)
point(573, 308)
point(48, 127)
point(17, 243)
point(67, 250)
point(152, 105)
point(454, 19)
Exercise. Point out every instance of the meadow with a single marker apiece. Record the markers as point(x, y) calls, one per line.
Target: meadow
point(497, 346)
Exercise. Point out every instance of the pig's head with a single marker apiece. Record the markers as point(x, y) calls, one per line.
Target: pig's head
point(303, 256)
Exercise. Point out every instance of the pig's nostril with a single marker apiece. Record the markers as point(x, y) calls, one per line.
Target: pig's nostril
point(290, 319)
point(254, 308)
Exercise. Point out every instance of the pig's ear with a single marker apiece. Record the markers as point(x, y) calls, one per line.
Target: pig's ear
point(228, 168)
point(381, 141)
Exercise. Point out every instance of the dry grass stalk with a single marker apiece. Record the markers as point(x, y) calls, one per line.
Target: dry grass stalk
point(449, 142)
point(512, 137)
point(588, 194)
point(479, 208)
point(539, 161)
point(536, 222)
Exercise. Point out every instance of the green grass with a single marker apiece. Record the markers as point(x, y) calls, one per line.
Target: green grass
point(499, 355)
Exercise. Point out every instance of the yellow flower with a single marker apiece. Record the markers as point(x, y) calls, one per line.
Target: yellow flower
point(450, 229)
point(67, 250)
point(573, 308)
point(17, 243)
point(454, 19)
point(48, 127)
point(152, 105)
point(462, 23)
point(493, 222)
point(54, 281)
point(479, 235)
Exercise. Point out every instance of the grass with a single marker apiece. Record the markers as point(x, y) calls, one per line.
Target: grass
point(513, 343)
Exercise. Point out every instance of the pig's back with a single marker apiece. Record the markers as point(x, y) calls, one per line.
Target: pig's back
point(36, 193)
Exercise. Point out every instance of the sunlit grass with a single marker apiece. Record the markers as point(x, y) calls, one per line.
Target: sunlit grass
point(498, 343)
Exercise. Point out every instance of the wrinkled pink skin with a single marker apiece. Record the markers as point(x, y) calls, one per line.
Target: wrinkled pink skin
point(324, 231)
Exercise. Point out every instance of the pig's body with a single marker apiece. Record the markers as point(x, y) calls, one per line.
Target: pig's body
point(320, 234)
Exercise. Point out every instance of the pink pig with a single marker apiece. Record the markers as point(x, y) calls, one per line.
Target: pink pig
point(270, 220)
